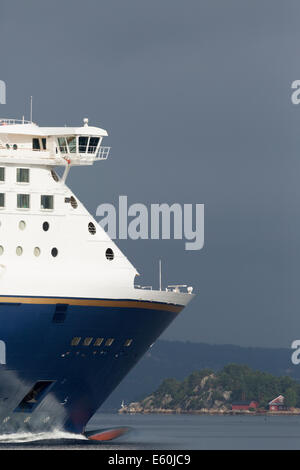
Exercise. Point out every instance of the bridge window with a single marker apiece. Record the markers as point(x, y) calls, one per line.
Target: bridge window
point(2, 173)
point(23, 201)
point(93, 144)
point(47, 202)
point(72, 144)
point(44, 144)
point(62, 143)
point(82, 144)
point(22, 175)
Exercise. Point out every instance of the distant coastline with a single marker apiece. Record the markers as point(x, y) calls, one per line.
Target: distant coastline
point(132, 410)
point(234, 390)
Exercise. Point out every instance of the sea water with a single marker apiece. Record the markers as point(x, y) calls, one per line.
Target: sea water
point(203, 432)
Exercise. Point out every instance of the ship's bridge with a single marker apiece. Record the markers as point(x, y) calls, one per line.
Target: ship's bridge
point(26, 142)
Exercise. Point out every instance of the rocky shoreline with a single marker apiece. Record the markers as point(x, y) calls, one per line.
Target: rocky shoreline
point(136, 408)
point(225, 392)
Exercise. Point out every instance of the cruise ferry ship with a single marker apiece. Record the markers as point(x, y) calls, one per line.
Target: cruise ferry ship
point(73, 323)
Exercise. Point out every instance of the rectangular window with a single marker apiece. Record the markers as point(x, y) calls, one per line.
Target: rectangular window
point(44, 143)
point(36, 144)
point(75, 341)
point(2, 199)
point(47, 202)
point(93, 144)
point(98, 342)
point(109, 341)
point(72, 144)
point(62, 145)
point(22, 175)
point(23, 201)
point(82, 141)
point(128, 343)
point(2, 173)
point(87, 341)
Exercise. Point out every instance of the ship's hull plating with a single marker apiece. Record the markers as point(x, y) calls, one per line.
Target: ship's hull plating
point(36, 340)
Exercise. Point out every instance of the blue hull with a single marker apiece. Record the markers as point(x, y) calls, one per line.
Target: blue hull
point(75, 380)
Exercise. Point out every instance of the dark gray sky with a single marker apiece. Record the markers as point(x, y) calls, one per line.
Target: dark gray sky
point(195, 96)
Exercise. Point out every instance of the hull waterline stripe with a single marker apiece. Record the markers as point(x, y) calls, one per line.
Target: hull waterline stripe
point(93, 303)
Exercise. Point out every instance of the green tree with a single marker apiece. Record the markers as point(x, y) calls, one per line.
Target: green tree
point(291, 397)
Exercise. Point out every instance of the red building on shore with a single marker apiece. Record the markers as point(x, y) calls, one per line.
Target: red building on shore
point(277, 404)
point(244, 405)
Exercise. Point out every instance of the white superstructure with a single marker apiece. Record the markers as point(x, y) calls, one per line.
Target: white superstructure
point(49, 244)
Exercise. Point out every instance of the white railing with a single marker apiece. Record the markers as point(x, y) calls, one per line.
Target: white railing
point(8, 122)
point(178, 287)
point(89, 155)
point(102, 153)
point(143, 287)
point(8, 150)
point(173, 288)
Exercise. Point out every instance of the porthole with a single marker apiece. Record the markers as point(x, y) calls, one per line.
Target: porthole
point(54, 252)
point(92, 228)
point(74, 203)
point(7, 146)
point(109, 254)
point(1, 250)
point(45, 226)
point(15, 147)
point(19, 250)
point(37, 251)
point(22, 225)
point(54, 176)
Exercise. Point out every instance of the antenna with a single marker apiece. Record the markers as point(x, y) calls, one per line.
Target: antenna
point(31, 109)
point(160, 274)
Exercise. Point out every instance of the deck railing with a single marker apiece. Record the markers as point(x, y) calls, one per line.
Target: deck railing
point(89, 155)
point(8, 122)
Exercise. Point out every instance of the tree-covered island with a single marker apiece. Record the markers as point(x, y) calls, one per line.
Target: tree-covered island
point(207, 391)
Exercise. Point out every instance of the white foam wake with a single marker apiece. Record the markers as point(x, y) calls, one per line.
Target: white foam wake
point(21, 437)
